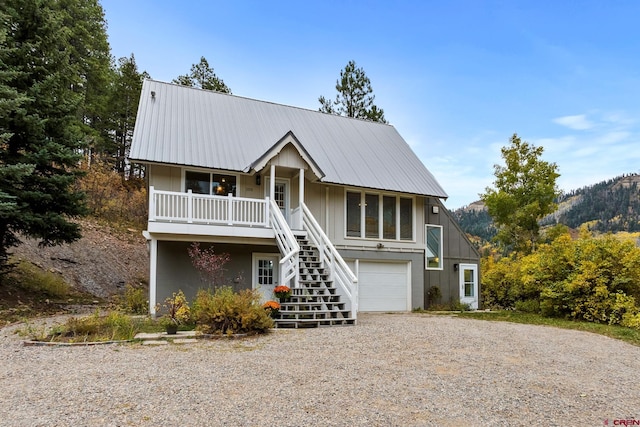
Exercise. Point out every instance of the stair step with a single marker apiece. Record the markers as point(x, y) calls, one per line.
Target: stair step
point(312, 299)
point(313, 315)
point(312, 307)
point(314, 323)
point(309, 290)
point(315, 302)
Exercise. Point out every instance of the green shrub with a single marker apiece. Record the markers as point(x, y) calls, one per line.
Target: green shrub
point(433, 296)
point(600, 284)
point(134, 300)
point(631, 320)
point(528, 306)
point(226, 312)
point(458, 306)
point(592, 279)
point(501, 282)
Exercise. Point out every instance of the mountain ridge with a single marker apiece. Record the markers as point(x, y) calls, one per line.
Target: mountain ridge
point(612, 205)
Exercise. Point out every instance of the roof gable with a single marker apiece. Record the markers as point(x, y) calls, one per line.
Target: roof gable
point(286, 140)
point(194, 127)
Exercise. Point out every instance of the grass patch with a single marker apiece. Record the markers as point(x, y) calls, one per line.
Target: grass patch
point(632, 336)
point(38, 281)
point(28, 291)
point(114, 326)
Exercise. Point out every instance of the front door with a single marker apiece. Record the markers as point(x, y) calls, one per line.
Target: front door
point(265, 274)
point(469, 285)
point(281, 197)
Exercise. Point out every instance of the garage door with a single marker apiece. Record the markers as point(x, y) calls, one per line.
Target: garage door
point(383, 286)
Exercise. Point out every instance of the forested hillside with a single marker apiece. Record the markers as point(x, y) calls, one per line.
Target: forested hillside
point(476, 221)
point(609, 206)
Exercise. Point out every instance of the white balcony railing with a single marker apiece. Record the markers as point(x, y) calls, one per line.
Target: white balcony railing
point(190, 208)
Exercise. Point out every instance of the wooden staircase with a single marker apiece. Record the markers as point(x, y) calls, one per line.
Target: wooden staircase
point(314, 302)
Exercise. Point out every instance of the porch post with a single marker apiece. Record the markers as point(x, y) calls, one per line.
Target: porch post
point(153, 271)
point(152, 205)
point(301, 187)
point(272, 183)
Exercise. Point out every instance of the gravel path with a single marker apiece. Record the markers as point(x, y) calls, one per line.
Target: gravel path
point(389, 370)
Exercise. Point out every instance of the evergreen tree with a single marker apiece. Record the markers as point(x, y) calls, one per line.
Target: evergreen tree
point(10, 174)
point(202, 76)
point(355, 96)
point(45, 74)
point(90, 54)
point(120, 120)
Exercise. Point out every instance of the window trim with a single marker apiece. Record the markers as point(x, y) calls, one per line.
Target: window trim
point(440, 247)
point(380, 195)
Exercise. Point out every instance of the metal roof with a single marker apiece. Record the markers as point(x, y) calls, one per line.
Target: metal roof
point(188, 126)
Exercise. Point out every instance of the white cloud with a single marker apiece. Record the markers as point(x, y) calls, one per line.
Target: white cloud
point(577, 122)
point(613, 137)
point(619, 118)
point(556, 146)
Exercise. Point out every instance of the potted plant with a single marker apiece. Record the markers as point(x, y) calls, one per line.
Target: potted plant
point(282, 291)
point(177, 312)
point(272, 307)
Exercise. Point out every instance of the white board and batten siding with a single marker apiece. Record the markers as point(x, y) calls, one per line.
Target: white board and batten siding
point(383, 285)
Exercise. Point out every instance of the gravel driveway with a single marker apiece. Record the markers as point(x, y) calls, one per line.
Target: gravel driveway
point(389, 370)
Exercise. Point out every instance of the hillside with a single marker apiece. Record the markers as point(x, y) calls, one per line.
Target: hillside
point(608, 206)
point(101, 263)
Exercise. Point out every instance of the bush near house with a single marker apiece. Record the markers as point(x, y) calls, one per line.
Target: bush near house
point(595, 279)
point(225, 312)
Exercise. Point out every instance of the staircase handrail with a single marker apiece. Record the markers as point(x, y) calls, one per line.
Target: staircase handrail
point(341, 272)
point(287, 243)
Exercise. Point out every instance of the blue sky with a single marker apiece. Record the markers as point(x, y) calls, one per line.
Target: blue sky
point(456, 78)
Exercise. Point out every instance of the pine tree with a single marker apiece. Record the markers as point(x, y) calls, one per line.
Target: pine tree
point(202, 76)
point(45, 73)
point(120, 119)
point(355, 96)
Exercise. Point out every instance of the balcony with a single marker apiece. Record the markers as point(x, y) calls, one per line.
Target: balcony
point(189, 213)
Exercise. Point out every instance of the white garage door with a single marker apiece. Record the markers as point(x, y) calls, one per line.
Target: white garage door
point(383, 286)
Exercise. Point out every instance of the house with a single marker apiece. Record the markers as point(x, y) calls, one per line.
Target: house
point(339, 209)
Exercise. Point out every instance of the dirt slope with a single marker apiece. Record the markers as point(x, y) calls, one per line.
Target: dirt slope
point(102, 262)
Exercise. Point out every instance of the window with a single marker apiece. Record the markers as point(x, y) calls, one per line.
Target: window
point(434, 247)
point(208, 183)
point(388, 217)
point(406, 218)
point(265, 272)
point(371, 216)
point(469, 283)
point(353, 214)
point(197, 182)
point(375, 216)
point(223, 185)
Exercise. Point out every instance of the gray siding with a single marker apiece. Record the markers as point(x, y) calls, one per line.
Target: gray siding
point(457, 250)
point(175, 270)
